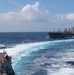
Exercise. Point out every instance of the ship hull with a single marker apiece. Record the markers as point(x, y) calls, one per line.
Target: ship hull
point(60, 35)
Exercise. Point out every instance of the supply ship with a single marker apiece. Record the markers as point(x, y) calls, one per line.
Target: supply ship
point(67, 33)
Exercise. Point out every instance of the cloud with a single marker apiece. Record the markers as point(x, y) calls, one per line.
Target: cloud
point(33, 13)
point(29, 8)
point(29, 13)
point(61, 21)
point(34, 18)
point(63, 18)
point(70, 16)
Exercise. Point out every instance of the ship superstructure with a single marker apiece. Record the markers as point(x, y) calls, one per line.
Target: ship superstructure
point(5, 64)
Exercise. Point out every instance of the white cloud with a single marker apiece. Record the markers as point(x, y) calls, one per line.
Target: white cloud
point(32, 18)
point(70, 16)
point(65, 17)
point(28, 13)
point(29, 8)
point(33, 13)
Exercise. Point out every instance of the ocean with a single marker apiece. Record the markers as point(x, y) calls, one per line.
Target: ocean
point(34, 53)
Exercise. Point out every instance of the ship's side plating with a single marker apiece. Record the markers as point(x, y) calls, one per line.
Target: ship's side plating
point(67, 33)
point(5, 64)
point(56, 35)
point(60, 35)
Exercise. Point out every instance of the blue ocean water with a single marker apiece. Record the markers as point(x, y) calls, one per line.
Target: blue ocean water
point(34, 53)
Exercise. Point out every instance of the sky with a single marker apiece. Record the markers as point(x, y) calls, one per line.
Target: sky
point(36, 15)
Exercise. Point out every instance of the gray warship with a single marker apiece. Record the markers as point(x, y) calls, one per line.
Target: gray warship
point(6, 64)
